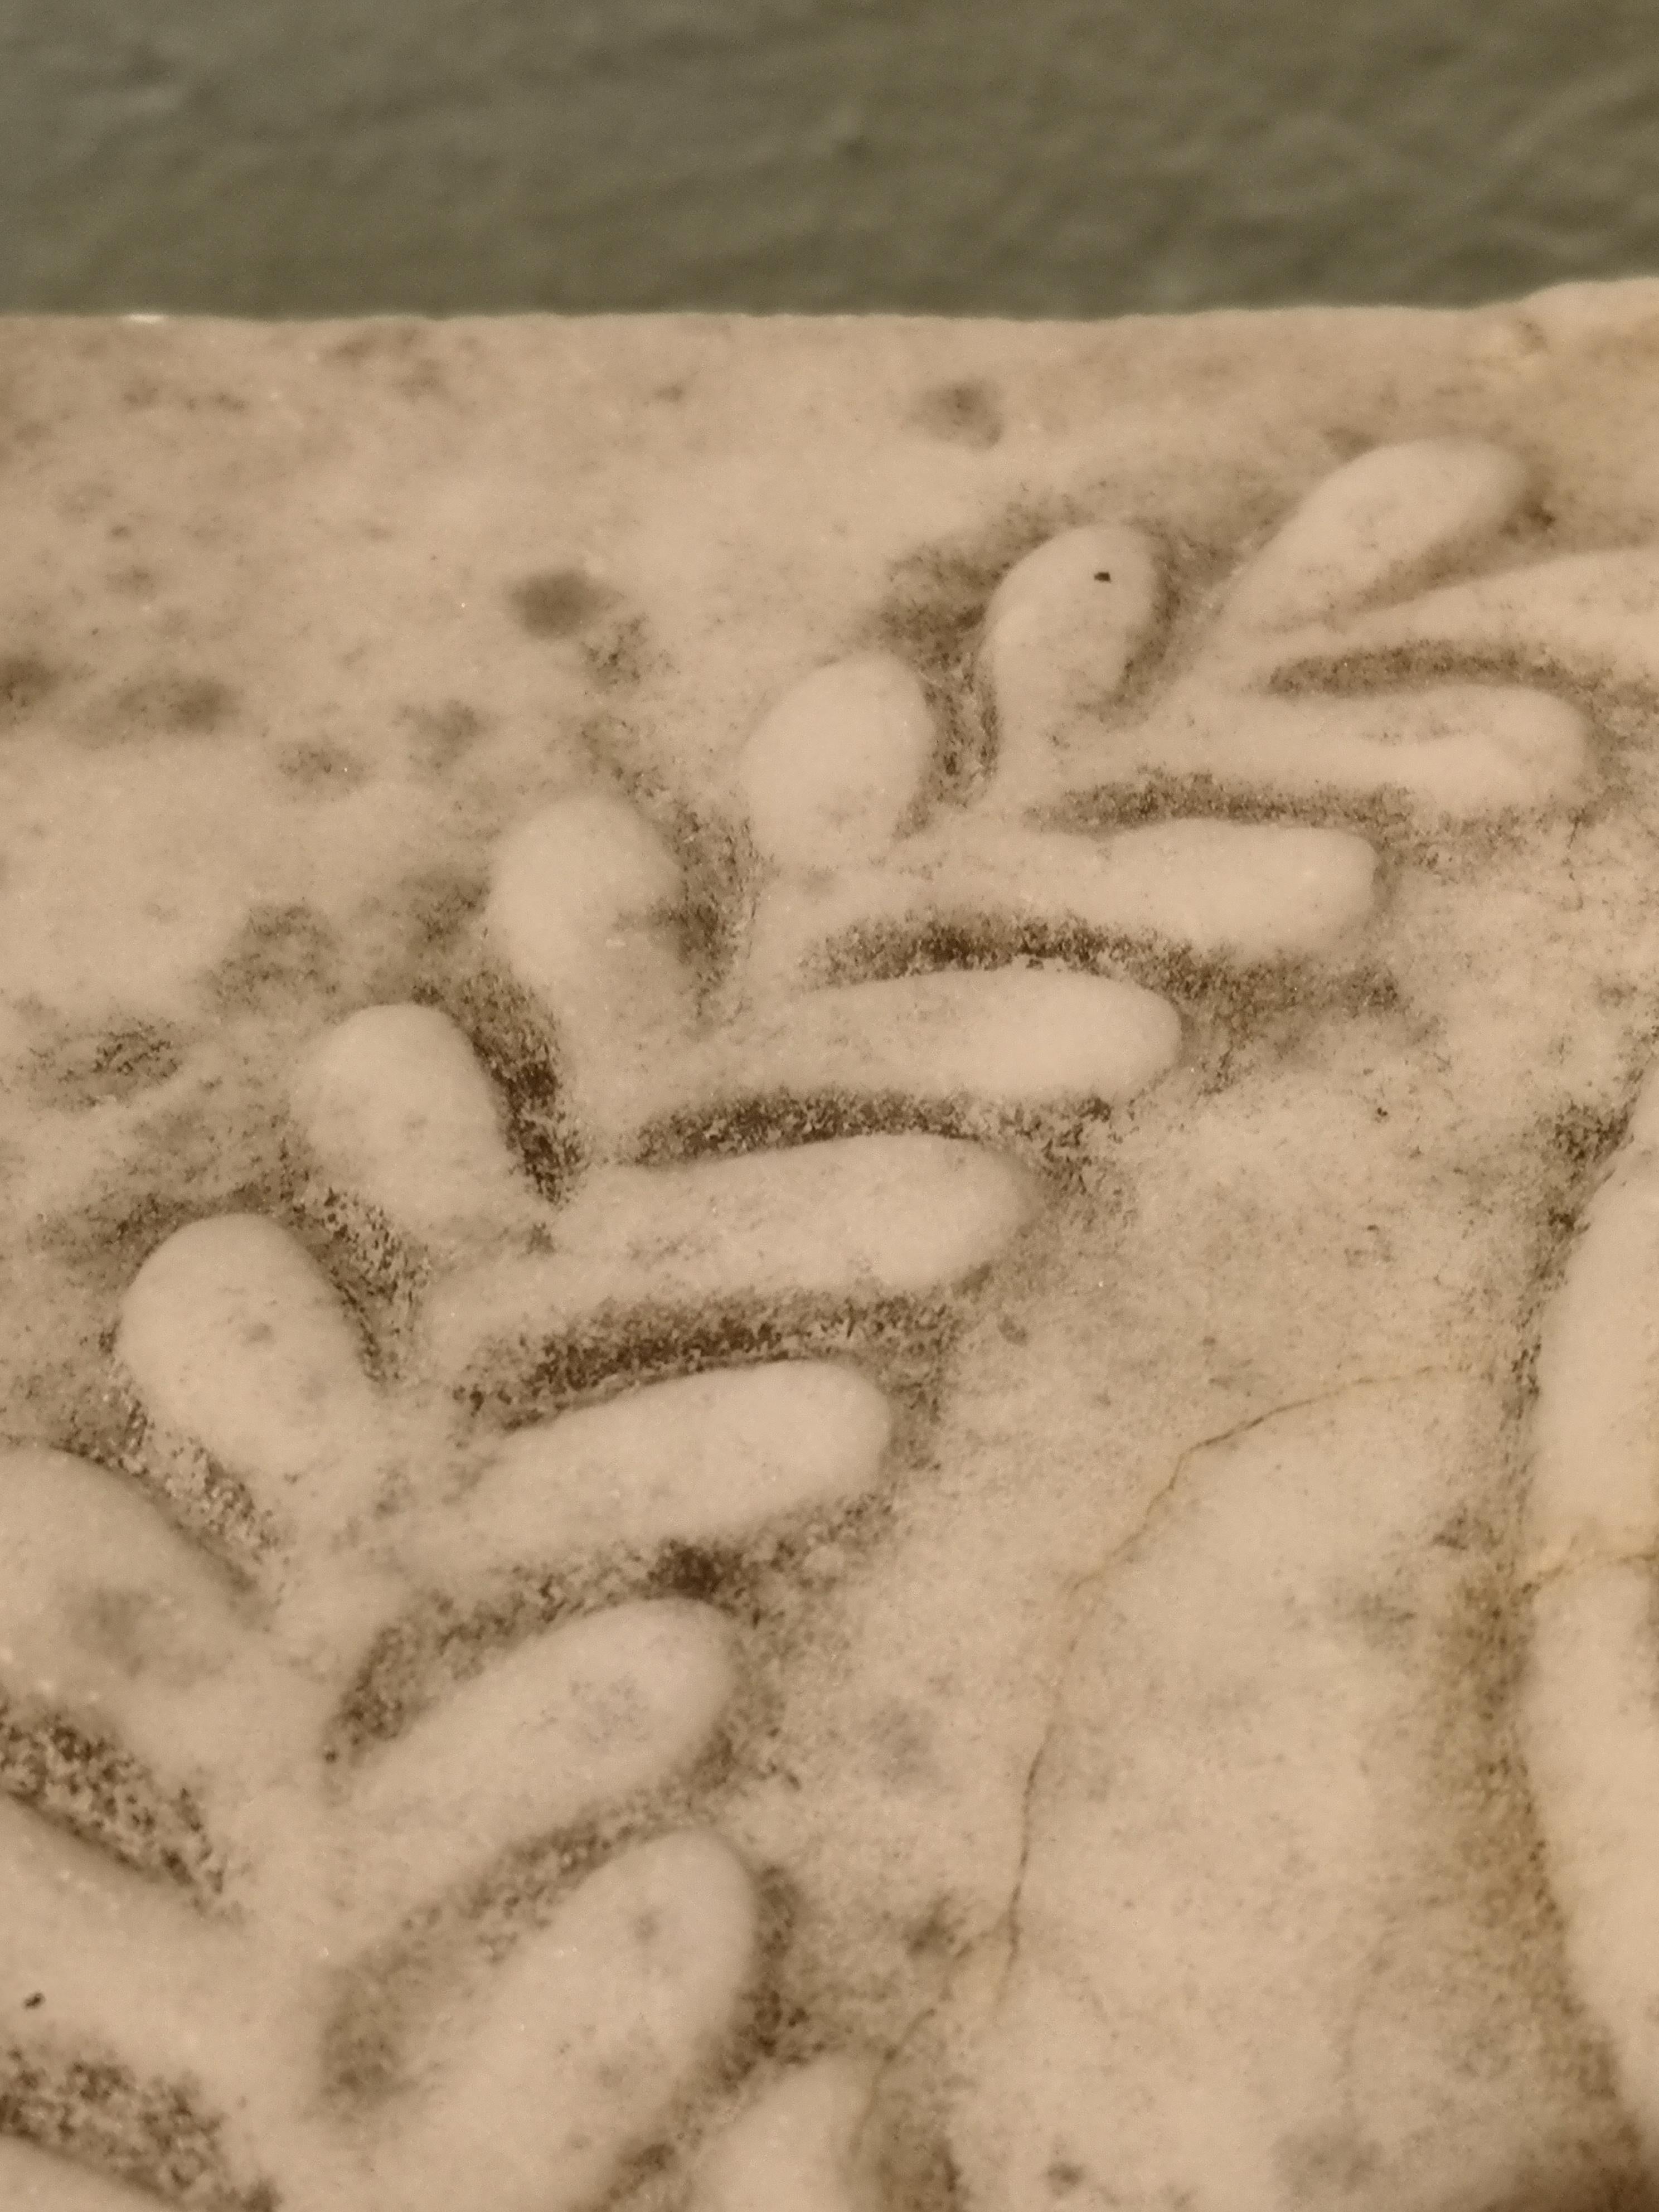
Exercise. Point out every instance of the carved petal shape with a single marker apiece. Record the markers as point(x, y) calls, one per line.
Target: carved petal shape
point(873, 1216)
point(582, 915)
point(1383, 525)
point(797, 2147)
point(1009, 1038)
point(1060, 633)
point(1249, 892)
point(837, 764)
point(1452, 752)
point(861, 1219)
point(398, 1113)
point(1593, 618)
point(700, 1459)
point(585, 2042)
point(110, 1618)
point(235, 1339)
point(572, 1721)
point(126, 1965)
point(1233, 890)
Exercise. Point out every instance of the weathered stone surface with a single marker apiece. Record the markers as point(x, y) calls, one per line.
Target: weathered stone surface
point(830, 1352)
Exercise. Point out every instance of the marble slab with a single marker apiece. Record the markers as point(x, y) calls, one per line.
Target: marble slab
point(829, 1276)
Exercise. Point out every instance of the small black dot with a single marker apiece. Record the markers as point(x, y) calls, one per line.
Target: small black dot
point(30, 2004)
point(1103, 575)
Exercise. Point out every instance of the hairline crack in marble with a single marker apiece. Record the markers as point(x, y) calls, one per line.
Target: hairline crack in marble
point(831, 1322)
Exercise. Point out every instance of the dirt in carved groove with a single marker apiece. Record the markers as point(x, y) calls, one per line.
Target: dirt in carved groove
point(510, 1036)
point(930, 616)
point(791, 1591)
point(150, 2133)
point(1569, 1156)
point(94, 1790)
point(447, 1639)
point(117, 1062)
point(904, 1340)
point(1230, 990)
point(1056, 1137)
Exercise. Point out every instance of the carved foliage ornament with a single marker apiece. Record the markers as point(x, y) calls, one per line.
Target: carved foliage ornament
point(336, 1906)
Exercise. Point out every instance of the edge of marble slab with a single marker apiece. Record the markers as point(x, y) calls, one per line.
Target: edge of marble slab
point(1583, 311)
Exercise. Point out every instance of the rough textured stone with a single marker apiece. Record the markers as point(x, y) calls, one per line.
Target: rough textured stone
point(830, 1312)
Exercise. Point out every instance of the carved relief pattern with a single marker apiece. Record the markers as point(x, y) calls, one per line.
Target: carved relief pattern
point(628, 1233)
point(1591, 1540)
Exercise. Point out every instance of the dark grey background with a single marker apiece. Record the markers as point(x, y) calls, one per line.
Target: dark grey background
point(1025, 157)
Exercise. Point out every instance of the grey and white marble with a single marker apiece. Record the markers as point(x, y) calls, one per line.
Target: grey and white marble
point(830, 1271)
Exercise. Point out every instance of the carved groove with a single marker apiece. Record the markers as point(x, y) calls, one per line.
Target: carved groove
point(1009, 709)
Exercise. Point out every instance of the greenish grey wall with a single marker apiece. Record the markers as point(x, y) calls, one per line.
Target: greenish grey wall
point(1026, 157)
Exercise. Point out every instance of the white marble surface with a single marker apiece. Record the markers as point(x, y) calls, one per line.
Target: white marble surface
point(831, 1322)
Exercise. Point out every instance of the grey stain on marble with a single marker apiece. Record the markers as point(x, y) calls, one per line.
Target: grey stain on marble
point(613, 637)
point(134, 578)
point(187, 704)
point(558, 602)
point(618, 653)
point(443, 735)
point(967, 413)
point(398, 349)
point(320, 765)
point(27, 682)
point(283, 956)
point(426, 917)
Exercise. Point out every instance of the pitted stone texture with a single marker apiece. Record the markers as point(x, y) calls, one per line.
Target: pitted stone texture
point(748, 1156)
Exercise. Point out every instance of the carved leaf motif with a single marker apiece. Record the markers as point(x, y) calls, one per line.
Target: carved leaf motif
point(1452, 752)
point(1589, 619)
point(585, 2039)
point(234, 1338)
point(852, 1222)
point(1247, 716)
point(702, 1459)
point(1246, 892)
point(890, 970)
point(1096, 588)
point(1382, 526)
point(838, 764)
point(1008, 1040)
point(559, 1728)
point(395, 1109)
point(584, 918)
point(116, 1620)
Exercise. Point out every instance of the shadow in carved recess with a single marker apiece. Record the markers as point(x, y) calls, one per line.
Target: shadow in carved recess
point(361, 1728)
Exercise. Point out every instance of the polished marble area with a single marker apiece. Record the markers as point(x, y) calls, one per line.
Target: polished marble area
point(831, 1269)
